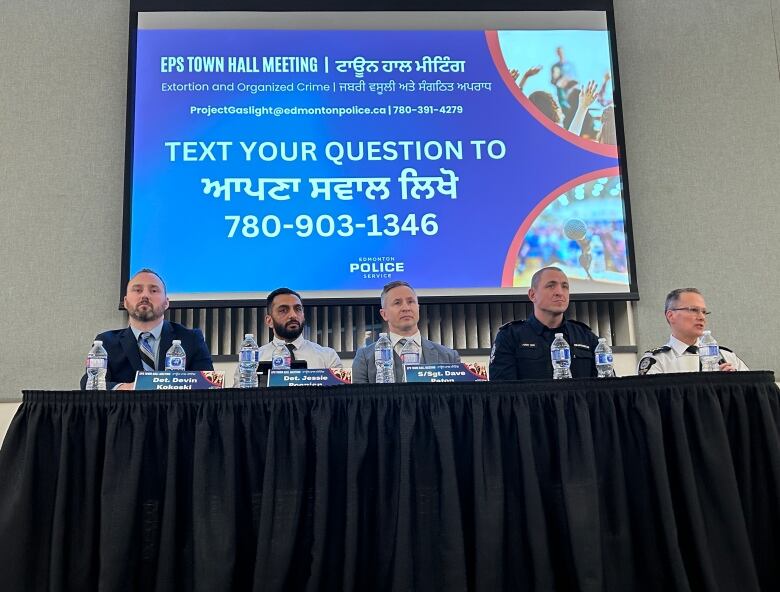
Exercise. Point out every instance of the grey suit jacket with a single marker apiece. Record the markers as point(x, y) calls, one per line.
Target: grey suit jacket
point(364, 368)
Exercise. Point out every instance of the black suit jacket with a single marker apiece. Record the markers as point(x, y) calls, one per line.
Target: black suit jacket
point(124, 360)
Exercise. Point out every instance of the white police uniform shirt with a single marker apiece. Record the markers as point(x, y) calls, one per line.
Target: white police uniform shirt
point(677, 356)
point(316, 355)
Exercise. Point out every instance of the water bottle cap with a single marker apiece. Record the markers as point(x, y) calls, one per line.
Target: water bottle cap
point(249, 335)
point(382, 335)
point(97, 342)
point(177, 342)
point(602, 339)
point(559, 334)
point(707, 333)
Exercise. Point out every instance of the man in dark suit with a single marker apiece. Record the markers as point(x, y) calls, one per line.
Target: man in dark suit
point(143, 345)
point(401, 312)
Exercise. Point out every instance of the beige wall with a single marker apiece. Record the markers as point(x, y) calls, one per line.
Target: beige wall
point(700, 94)
point(7, 411)
point(701, 91)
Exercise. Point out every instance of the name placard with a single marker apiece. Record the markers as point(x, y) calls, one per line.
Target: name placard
point(462, 372)
point(187, 381)
point(310, 377)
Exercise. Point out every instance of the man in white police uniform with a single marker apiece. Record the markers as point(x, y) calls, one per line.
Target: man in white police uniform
point(285, 317)
point(686, 312)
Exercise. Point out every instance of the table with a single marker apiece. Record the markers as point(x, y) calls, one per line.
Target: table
point(637, 483)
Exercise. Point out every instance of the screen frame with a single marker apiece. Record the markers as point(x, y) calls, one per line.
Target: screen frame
point(319, 6)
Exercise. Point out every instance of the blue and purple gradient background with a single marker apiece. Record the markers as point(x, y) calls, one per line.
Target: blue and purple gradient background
point(181, 232)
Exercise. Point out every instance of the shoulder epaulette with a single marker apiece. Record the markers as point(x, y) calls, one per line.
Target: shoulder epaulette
point(510, 323)
point(659, 350)
point(578, 323)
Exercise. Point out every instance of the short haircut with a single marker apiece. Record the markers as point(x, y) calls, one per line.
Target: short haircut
point(269, 301)
point(535, 278)
point(147, 270)
point(392, 285)
point(674, 296)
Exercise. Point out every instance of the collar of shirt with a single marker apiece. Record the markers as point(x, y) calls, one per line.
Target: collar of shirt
point(297, 342)
point(540, 328)
point(155, 332)
point(417, 338)
point(679, 347)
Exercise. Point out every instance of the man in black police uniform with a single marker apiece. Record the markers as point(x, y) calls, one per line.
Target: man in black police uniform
point(522, 348)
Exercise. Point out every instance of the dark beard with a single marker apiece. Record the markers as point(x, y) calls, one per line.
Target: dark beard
point(150, 314)
point(287, 334)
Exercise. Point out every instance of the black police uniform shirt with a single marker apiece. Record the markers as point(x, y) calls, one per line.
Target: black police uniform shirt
point(522, 350)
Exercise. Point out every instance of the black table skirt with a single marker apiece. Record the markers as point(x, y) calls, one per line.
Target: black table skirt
point(640, 483)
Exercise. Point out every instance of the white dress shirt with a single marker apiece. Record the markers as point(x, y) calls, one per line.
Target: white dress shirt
point(316, 355)
point(395, 338)
point(156, 332)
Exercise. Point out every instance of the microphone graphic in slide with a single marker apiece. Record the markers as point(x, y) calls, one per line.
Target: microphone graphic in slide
point(576, 230)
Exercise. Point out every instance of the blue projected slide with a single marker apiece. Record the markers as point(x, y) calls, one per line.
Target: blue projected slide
point(334, 161)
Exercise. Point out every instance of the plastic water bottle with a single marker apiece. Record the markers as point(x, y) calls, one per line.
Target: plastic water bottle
point(709, 354)
point(561, 357)
point(410, 354)
point(383, 358)
point(97, 367)
point(281, 358)
point(604, 360)
point(176, 358)
point(248, 357)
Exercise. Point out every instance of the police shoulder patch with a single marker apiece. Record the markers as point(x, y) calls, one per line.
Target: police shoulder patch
point(645, 364)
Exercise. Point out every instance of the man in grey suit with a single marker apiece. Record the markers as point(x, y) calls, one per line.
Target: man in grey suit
point(401, 312)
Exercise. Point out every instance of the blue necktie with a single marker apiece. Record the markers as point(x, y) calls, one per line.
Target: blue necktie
point(146, 349)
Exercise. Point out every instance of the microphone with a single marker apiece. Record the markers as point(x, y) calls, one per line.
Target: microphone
point(576, 230)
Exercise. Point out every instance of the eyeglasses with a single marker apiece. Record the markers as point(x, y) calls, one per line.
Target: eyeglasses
point(694, 310)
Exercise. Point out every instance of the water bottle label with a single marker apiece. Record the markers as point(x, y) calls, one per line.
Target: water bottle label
point(383, 355)
point(97, 363)
point(561, 355)
point(706, 351)
point(247, 355)
point(603, 359)
point(280, 362)
point(410, 358)
point(174, 362)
